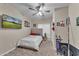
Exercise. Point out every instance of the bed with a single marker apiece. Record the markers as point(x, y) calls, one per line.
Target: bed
point(32, 41)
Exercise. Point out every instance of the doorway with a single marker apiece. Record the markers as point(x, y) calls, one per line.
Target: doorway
point(46, 29)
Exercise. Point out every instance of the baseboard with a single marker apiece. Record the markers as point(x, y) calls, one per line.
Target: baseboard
point(8, 51)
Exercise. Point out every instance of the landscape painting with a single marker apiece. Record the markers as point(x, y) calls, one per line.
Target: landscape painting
point(0, 22)
point(11, 22)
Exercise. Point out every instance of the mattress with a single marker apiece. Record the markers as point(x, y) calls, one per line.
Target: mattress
point(32, 41)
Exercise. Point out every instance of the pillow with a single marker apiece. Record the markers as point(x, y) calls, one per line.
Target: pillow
point(34, 34)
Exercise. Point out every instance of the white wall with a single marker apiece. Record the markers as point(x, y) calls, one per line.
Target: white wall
point(41, 21)
point(74, 33)
point(73, 12)
point(61, 14)
point(52, 33)
point(9, 37)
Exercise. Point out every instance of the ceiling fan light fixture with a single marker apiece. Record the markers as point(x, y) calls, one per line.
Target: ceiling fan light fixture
point(40, 9)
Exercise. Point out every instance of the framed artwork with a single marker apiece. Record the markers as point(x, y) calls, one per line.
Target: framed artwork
point(34, 25)
point(62, 24)
point(58, 23)
point(9, 22)
point(77, 21)
point(26, 24)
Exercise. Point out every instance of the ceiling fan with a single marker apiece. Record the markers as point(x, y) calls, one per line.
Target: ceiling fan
point(39, 9)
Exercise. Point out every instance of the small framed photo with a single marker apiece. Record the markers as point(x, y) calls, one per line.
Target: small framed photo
point(58, 23)
point(34, 25)
point(26, 24)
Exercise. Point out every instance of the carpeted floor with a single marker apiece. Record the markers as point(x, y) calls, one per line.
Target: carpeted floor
point(46, 49)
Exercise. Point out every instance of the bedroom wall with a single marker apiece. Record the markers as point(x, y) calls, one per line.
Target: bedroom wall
point(41, 21)
point(61, 14)
point(74, 30)
point(73, 12)
point(9, 37)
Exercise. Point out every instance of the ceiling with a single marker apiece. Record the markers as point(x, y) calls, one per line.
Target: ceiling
point(23, 8)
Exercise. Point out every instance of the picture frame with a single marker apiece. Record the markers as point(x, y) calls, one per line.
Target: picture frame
point(62, 24)
point(26, 24)
point(58, 23)
point(34, 25)
point(9, 22)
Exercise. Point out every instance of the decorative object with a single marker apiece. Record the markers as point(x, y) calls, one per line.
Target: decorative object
point(34, 25)
point(26, 24)
point(58, 23)
point(77, 21)
point(53, 28)
point(10, 22)
point(62, 24)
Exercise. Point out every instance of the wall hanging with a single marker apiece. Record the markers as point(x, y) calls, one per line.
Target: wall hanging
point(34, 25)
point(26, 24)
point(58, 23)
point(9, 22)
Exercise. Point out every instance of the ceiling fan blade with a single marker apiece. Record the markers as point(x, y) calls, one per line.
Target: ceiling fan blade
point(31, 9)
point(34, 14)
point(38, 7)
point(47, 11)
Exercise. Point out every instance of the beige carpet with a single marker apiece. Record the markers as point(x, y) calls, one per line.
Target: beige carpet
point(46, 49)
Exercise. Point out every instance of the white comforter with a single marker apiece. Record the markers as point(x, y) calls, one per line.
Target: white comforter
point(31, 41)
